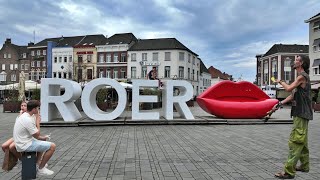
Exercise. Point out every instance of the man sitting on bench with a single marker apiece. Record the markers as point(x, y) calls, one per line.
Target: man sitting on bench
point(26, 132)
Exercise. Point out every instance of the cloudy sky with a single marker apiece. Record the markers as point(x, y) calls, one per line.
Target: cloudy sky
point(226, 34)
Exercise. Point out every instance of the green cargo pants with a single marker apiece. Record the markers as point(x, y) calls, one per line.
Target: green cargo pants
point(298, 146)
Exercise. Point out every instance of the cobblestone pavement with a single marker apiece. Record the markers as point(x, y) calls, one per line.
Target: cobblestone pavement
point(170, 152)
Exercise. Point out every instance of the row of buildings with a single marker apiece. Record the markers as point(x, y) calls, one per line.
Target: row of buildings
point(276, 62)
point(122, 57)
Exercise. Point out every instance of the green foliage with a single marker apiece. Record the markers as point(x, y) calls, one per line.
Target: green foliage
point(318, 98)
point(13, 95)
point(151, 91)
point(36, 94)
point(102, 95)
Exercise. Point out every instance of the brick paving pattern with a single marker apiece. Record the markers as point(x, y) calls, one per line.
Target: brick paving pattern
point(170, 152)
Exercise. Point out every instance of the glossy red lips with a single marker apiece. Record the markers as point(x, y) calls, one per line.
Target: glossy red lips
point(241, 100)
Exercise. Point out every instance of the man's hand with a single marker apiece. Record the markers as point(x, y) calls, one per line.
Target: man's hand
point(275, 107)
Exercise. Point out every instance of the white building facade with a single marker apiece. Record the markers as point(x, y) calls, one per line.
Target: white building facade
point(62, 62)
point(314, 47)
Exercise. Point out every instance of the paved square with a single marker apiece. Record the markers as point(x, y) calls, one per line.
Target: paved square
point(170, 151)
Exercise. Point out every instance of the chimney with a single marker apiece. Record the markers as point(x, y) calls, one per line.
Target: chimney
point(30, 44)
point(8, 41)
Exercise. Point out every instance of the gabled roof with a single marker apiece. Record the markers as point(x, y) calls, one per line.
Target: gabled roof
point(215, 73)
point(45, 42)
point(124, 38)
point(287, 48)
point(69, 41)
point(203, 68)
point(96, 39)
point(313, 18)
point(159, 44)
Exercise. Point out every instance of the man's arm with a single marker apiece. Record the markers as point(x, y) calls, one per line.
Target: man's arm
point(289, 87)
point(36, 135)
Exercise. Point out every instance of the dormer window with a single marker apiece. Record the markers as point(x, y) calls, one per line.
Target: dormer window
point(85, 44)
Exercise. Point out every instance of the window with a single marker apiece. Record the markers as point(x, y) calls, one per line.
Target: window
point(101, 58)
point(54, 74)
point(167, 56)
point(274, 72)
point(55, 59)
point(38, 52)
point(316, 71)
point(188, 73)
point(108, 57)
point(167, 71)
point(144, 57)
point(115, 57)
point(316, 26)
point(32, 53)
point(3, 76)
point(38, 63)
point(4, 55)
point(22, 66)
point(115, 73)
point(314, 48)
point(79, 58)
point(100, 73)
point(123, 73)
point(70, 75)
point(32, 64)
point(9, 55)
point(143, 72)
point(287, 70)
point(197, 75)
point(133, 57)
point(43, 63)
point(193, 60)
point(13, 77)
point(181, 72)
point(70, 58)
point(155, 56)
point(65, 59)
point(89, 58)
point(15, 66)
point(26, 67)
point(265, 72)
point(189, 58)
point(3, 67)
point(181, 56)
point(64, 75)
point(24, 55)
point(44, 52)
point(123, 57)
point(60, 59)
point(133, 72)
point(192, 74)
point(59, 74)
point(11, 66)
point(108, 73)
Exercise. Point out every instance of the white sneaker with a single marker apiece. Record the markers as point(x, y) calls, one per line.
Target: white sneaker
point(44, 171)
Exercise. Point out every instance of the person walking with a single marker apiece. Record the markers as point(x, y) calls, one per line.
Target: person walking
point(301, 112)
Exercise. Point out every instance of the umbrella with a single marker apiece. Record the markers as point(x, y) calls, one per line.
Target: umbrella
point(22, 86)
point(32, 85)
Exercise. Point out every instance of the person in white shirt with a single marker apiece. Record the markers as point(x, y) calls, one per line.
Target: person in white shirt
point(26, 133)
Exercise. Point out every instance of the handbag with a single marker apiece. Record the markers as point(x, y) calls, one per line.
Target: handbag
point(9, 160)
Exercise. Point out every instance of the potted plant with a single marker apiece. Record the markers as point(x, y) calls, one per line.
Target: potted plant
point(11, 102)
point(101, 99)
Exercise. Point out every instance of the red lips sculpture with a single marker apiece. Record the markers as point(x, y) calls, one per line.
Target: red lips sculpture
point(240, 100)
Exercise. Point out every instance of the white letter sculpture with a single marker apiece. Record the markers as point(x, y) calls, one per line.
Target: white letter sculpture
point(136, 99)
point(89, 104)
point(168, 100)
point(52, 102)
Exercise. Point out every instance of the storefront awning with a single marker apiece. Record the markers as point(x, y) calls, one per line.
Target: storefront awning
point(316, 62)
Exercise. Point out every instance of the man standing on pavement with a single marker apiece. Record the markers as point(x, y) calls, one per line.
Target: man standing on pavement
point(301, 112)
point(26, 133)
